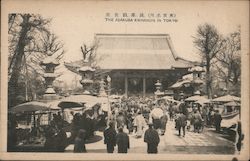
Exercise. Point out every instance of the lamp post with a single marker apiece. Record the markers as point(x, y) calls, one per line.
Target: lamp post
point(109, 89)
point(109, 84)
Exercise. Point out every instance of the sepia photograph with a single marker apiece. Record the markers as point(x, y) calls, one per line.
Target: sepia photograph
point(124, 80)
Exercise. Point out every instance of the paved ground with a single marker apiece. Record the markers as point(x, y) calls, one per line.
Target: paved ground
point(207, 142)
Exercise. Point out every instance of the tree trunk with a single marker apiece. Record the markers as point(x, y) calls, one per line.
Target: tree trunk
point(17, 63)
point(208, 80)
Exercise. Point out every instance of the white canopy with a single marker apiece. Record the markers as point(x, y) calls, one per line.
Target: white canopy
point(226, 98)
point(196, 98)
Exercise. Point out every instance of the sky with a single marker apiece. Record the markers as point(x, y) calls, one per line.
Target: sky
point(76, 22)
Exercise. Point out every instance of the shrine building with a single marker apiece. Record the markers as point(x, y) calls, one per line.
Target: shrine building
point(136, 61)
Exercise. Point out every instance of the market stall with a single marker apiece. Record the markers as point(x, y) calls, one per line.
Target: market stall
point(25, 126)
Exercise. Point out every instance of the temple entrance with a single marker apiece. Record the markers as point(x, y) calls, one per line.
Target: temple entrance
point(135, 86)
point(142, 82)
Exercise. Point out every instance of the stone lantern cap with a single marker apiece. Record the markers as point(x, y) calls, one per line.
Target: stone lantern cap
point(50, 75)
point(158, 83)
point(50, 90)
point(196, 69)
point(50, 60)
point(86, 81)
point(86, 68)
point(197, 92)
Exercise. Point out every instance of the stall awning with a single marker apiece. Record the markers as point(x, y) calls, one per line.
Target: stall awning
point(226, 98)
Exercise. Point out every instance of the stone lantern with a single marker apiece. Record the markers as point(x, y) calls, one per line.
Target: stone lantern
point(158, 86)
point(87, 74)
point(50, 64)
point(197, 78)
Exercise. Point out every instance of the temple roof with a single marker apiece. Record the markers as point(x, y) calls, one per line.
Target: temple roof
point(135, 51)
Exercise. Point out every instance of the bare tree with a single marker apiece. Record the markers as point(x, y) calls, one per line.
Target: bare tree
point(209, 43)
point(229, 59)
point(89, 53)
point(29, 42)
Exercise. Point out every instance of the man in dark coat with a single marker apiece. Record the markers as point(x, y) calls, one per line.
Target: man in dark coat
point(122, 140)
point(109, 138)
point(61, 140)
point(152, 138)
point(79, 145)
point(217, 120)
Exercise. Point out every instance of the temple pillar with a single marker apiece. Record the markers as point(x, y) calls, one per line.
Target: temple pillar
point(126, 85)
point(144, 86)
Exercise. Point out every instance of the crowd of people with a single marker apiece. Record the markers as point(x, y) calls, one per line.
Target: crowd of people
point(148, 117)
point(138, 116)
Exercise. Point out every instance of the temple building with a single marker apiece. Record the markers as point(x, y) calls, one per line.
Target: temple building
point(135, 62)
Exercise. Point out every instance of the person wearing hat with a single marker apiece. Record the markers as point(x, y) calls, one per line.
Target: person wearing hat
point(122, 140)
point(109, 137)
point(152, 139)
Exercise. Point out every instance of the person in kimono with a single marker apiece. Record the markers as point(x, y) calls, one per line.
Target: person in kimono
point(155, 117)
point(79, 145)
point(110, 137)
point(197, 120)
point(140, 123)
point(181, 122)
point(164, 120)
point(122, 141)
point(217, 120)
point(152, 139)
point(120, 120)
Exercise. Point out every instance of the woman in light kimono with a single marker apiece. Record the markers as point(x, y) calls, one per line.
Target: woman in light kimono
point(140, 123)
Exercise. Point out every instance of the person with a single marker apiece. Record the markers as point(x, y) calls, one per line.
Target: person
point(130, 122)
point(122, 141)
point(217, 120)
point(164, 120)
point(197, 120)
point(109, 137)
point(183, 107)
point(61, 140)
point(171, 111)
point(120, 120)
point(204, 114)
point(155, 115)
point(140, 123)
point(210, 116)
point(152, 139)
point(49, 145)
point(181, 123)
point(79, 145)
point(239, 137)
